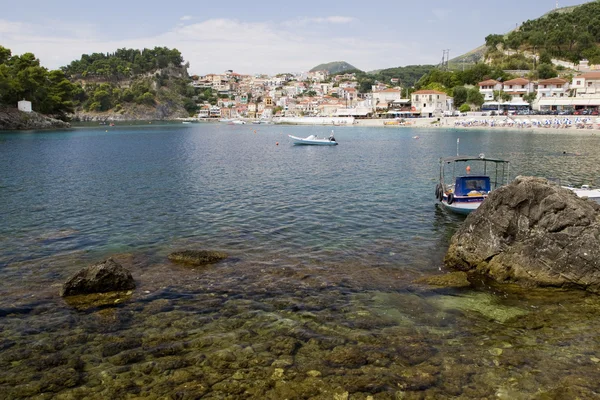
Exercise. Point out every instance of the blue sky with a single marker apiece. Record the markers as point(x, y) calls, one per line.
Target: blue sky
point(263, 36)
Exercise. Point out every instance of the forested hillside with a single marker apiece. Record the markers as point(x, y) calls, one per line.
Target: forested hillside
point(22, 77)
point(571, 36)
point(123, 63)
point(133, 79)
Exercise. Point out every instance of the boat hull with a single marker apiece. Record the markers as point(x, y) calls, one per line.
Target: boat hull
point(462, 206)
point(312, 142)
point(592, 194)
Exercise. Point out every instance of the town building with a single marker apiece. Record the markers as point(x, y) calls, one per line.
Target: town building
point(430, 103)
point(488, 87)
point(518, 87)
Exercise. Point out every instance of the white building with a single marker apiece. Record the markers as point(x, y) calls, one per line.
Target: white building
point(487, 89)
point(318, 76)
point(518, 87)
point(554, 87)
point(587, 85)
point(24, 106)
point(387, 95)
point(586, 88)
point(430, 103)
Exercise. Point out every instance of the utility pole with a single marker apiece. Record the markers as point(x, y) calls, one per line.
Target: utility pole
point(445, 60)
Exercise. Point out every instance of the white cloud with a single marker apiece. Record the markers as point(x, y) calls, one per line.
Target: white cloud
point(335, 19)
point(216, 45)
point(186, 18)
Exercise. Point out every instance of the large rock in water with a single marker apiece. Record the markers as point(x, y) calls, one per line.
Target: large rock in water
point(107, 276)
point(532, 233)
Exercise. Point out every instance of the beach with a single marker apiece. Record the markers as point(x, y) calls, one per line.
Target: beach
point(481, 122)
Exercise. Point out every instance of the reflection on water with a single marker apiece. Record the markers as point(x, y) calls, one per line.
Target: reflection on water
point(317, 299)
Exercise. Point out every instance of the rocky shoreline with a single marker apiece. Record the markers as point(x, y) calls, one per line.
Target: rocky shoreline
point(165, 111)
point(13, 119)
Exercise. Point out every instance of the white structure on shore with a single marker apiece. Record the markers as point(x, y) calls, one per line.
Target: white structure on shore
point(487, 89)
point(24, 106)
point(431, 103)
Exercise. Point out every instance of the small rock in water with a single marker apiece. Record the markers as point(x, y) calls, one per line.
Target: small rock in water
point(107, 276)
point(197, 257)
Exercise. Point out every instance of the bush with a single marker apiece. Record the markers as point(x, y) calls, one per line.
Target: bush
point(464, 108)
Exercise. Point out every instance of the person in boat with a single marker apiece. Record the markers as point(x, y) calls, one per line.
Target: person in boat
point(331, 138)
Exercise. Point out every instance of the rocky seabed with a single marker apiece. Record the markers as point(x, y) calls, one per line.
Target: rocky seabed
point(240, 330)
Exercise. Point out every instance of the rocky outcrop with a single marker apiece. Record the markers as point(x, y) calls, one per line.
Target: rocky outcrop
point(532, 233)
point(13, 119)
point(197, 257)
point(107, 276)
point(135, 112)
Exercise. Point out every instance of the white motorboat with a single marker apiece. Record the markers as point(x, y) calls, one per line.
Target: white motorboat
point(314, 140)
point(464, 193)
point(586, 191)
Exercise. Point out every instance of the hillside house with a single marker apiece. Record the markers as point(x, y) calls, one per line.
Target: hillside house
point(554, 87)
point(518, 87)
point(487, 88)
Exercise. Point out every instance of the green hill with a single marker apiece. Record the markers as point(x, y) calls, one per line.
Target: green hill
point(132, 84)
point(335, 67)
point(568, 33)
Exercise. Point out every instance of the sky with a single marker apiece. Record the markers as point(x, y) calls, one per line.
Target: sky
point(263, 37)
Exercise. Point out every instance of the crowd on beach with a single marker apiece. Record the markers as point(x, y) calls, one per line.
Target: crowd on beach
point(556, 123)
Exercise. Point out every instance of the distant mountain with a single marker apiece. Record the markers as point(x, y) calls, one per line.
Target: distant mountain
point(334, 67)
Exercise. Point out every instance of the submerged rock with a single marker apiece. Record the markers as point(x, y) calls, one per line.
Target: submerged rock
point(197, 257)
point(107, 276)
point(457, 279)
point(532, 233)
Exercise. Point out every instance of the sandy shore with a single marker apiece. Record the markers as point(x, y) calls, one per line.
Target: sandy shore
point(449, 123)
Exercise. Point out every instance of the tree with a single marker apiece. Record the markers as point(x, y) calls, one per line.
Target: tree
point(464, 108)
point(501, 96)
point(460, 95)
point(475, 97)
point(514, 40)
point(5, 55)
point(546, 71)
point(492, 41)
point(530, 97)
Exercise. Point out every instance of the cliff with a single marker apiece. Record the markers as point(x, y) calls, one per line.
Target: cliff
point(135, 112)
point(13, 119)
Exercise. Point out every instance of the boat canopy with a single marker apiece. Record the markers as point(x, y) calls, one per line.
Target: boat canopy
point(467, 184)
point(449, 160)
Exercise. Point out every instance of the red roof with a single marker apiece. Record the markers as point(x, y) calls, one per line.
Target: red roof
point(552, 81)
point(489, 82)
point(428, 92)
point(517, 81)
point(589, 75)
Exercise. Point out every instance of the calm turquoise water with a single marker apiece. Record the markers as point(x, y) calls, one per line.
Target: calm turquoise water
point(339, 233)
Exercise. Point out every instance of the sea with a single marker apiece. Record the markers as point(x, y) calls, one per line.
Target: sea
point(322, 293)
